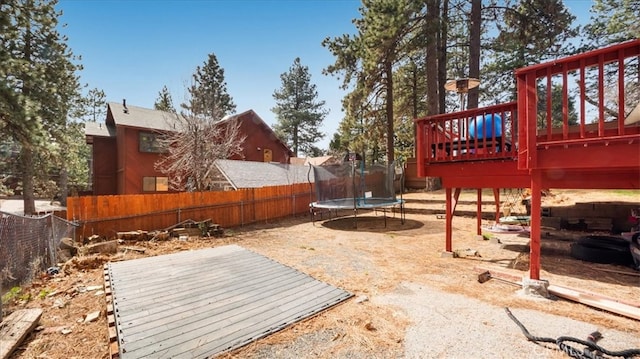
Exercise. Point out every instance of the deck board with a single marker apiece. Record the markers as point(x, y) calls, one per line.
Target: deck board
point(197, 304)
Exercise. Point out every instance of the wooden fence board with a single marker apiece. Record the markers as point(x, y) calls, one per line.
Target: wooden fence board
point(107, 215)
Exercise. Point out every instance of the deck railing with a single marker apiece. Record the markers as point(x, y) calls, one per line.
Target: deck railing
point(579, 101)
point(471, 135)
point(583, 100)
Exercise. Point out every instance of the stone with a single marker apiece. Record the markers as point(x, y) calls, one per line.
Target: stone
point(93, 316)
point(446, 254)
point(535, 288)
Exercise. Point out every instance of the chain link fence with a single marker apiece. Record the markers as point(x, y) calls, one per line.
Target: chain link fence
point(28, 246)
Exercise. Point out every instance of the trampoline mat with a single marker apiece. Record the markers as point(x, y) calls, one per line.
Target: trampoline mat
point(196, 304)
point(347, 203)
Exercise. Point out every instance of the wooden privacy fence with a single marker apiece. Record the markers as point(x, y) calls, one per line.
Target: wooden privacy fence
point(107, 215)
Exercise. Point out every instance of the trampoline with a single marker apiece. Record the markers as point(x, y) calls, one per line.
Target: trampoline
point(352, 186)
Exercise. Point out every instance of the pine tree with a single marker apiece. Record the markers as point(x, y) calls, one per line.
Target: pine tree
point(529, 32)
point(369, 57)
point(208, 97)
point(164, 102)
point(38, 83)
point(298, 112)
point(612, 21)
point(94, 105)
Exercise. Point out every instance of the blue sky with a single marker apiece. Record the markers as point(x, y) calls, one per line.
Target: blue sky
point(131, 49)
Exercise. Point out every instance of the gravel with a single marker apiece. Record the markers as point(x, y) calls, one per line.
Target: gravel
point(482, 330)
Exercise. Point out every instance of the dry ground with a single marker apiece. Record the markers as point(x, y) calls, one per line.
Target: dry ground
point(370, 260)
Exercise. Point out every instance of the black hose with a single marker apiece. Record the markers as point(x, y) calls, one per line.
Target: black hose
point(591, 351)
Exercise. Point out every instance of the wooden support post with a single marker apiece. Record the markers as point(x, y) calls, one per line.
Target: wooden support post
point(456, 196)
point(479, 213)
point(496, 197)
point(449, 218)
point(534, 243)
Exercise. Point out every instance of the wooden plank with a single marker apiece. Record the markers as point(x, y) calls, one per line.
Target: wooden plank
point(617, 306)
point(596, 301)
point(15, 328)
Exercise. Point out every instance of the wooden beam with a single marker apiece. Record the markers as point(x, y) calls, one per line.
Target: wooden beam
point(449, 218)
point(534, 234)
point(621, 307)
point(15, 328)
point(596, 301)
point(496, 197)
point(479, 213)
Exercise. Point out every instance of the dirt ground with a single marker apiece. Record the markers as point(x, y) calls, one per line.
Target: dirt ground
point(368, 261)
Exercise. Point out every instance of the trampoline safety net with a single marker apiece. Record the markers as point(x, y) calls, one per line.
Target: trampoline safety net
point(352, 185)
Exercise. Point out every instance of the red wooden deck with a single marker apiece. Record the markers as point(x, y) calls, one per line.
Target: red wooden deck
point(530, 150)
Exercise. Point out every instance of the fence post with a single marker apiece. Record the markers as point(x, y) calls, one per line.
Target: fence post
point(241, 213)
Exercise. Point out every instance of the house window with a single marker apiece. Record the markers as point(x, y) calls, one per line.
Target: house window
point(149, 142)
point(155, 184)
point(268, 155)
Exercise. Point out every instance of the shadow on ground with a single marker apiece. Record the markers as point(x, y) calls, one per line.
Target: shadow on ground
point(372, 224)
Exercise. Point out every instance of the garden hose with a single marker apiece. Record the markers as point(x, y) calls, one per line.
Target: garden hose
point(591, 351)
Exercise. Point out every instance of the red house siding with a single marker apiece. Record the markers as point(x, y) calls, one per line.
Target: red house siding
point(104, 166)
point(259, 138)
point(119, 166)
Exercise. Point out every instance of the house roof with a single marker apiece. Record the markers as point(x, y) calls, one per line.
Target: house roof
point(134, 116)
point(249, 174)
point(99, 129)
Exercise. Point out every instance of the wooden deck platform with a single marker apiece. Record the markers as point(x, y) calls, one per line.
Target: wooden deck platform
point(197, 304)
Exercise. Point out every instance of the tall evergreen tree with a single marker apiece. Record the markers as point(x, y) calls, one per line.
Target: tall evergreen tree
point(208, 97)
point(612, 21)
point(95, 105)
point(38, 84)
point(529, 32)
point(370, 56)
point(298, 111)
point(164, 102)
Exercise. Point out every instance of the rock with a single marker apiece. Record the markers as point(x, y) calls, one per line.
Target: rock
point(68, 243)
point(362, 299)
point(109, 247)
point(51, 330)
point(535, 288)
point(93, 287)
point(93, 316)
point(59, 303)
point(64, 255)
point(462, 253)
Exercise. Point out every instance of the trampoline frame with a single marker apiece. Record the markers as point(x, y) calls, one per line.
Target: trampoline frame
point(355, 204)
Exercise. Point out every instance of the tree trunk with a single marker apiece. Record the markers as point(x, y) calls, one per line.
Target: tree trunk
point(63, 186)
point(389, 74)
point(431, 61)
point(28, 196)
point(474, 51)
point(436, 69)
point(442, 54)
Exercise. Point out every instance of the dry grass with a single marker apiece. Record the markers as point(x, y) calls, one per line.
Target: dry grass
point(369, 261)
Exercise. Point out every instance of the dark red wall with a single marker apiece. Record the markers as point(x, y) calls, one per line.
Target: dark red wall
point(258, 138)
point(104, 166)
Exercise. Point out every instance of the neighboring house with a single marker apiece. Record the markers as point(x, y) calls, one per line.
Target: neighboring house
point(124, 147)
point(248, 174)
